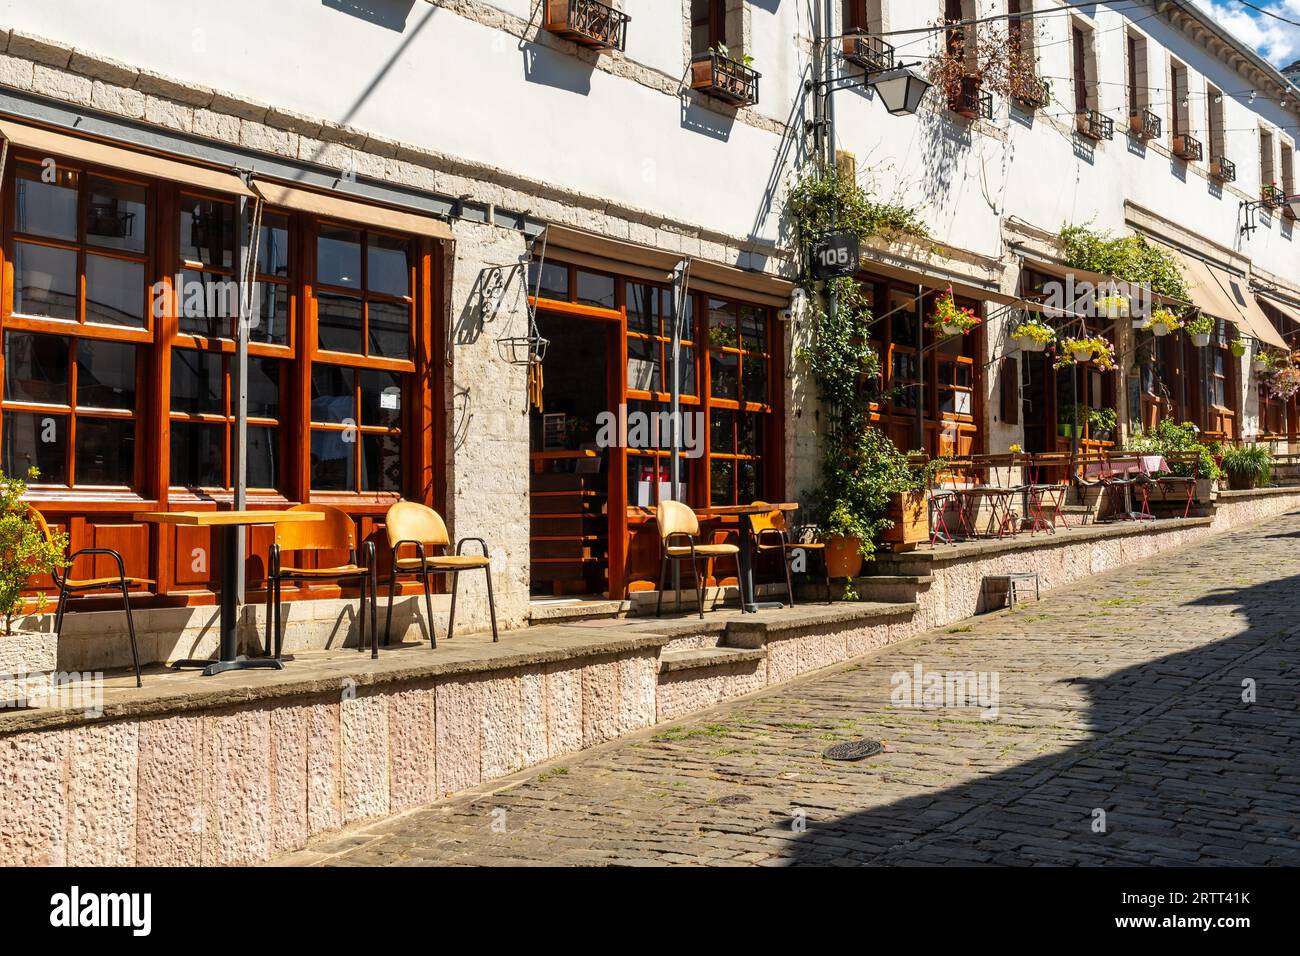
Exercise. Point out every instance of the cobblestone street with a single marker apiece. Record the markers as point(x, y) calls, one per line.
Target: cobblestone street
point(1121, 736)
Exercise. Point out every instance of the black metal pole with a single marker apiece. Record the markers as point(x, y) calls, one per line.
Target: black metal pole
point(920, 369)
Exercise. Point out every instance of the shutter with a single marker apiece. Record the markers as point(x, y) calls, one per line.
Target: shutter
point(1010, 373)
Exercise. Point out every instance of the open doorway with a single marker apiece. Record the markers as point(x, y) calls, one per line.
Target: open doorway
point(569, 470)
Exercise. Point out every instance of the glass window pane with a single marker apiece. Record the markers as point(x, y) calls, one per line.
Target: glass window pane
point(338, 323)
point(753, 328)
point(381, 399)
point(263, 457)
point(756, 380)
point(381, 462)
point(105, 451)
point(45, 281)
point(198, 455)
point(338, 257)
point(642, 308)
point(272, 314)
point(273, 246)
point(749, 435)
point(390, 329)
point(45, 201)
point(725, 381)
point(208, 231)
point(115, 215)
point(333, 401)
point(643, 364)
point(388, 265)
point(332, 456)
point(554, 281)
point(747, 479)
point(206, 305)
point(36, 369)
point(263, 387)
point(114, 291)
point(722, 424)
point(105, 374)
point(721, 473)
point(595, 289)
point(722, 324)
point(688, 371)
point(36, 440)
point(198, 386)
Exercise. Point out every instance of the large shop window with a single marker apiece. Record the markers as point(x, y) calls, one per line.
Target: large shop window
point(79, 257)
point(739, 401)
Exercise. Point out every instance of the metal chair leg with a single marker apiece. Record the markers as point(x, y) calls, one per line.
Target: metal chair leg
point(826, 569)
point(663, 582)
point(268, 646)
point(388, 619)
point(492, 606)
point(361, 620)
point(699, 584)
point(428, 606)
point(58, 614)
point(279, 615)
point(130, 629)
point(789, 586)
point(451, 615)
point(373, 578)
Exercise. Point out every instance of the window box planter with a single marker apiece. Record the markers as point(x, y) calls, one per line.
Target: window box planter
point(1223, 169)
point(1144, 125)
point(872, 53)
point(588, 23)
point(971, 101)
point(1272, 197)
point(1095, 125)
point(1032, 94)
point(727, 79)
point(910, 512)
point(1188, 148)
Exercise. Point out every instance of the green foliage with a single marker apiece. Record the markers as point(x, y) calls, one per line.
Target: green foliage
point(859, 480)
point(24, 551)
point(822, 201)
point(1130, 258)
point(1169, 437)
point(1248, 466)
point(1035, 331)
point(1200, 325)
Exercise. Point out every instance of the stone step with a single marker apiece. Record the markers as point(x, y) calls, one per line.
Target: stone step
point(560, 610)
point(880, 588)
point(692, 658)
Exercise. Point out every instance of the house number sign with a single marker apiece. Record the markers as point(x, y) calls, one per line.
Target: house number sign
point(835, 254)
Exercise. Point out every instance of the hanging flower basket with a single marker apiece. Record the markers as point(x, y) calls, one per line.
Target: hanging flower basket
point(1095, 349)
point(1238, 348)
point(1201, 330)
point(1164, 321)
point(1033, 336)
point(1113, 306)
point(523, 349)
point(950, 319)
point(1141, 322)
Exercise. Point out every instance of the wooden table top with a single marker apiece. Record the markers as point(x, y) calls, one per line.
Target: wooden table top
point(750, 509)
point(217, 518)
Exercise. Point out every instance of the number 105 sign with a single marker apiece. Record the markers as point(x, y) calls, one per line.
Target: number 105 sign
point(834, 254)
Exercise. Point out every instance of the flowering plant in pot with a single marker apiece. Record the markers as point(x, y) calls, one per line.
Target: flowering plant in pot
point(1114, 306)
point(1164, 321)
point(1281, 381)
point(1238, 347)
point(950, 318)
point(1201, 328)
point(1263, 361)
point(1095, 349)
point(1033, 336)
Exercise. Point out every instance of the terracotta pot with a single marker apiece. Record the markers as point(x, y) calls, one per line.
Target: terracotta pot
point(843, 559)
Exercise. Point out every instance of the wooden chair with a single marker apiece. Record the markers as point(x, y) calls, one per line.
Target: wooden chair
point(76, 587)
point(1042, 491)
point(335, 532)
point(410, 523)
point(1185, 465)
point(770, 535)
point(678, 523)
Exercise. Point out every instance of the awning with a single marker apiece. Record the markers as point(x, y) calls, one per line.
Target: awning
point(940, 283)
point(1096, 279)
point(592, 251)
point(50, 143)
point(1219, 293)
point(1286, 308)
point(334, 206)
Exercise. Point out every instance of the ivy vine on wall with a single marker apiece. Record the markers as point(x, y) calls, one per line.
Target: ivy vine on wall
point(1129, 258)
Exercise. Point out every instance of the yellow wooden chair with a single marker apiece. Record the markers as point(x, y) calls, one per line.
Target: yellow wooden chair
point(78, 587)
point(678, 529)
point(335, 532)
point(411, 523)
point(770, 535)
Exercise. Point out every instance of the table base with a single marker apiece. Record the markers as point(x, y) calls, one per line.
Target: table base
point(240, 663)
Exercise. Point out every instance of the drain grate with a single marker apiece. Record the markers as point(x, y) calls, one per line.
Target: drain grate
point(853, 750)
point(731, 799)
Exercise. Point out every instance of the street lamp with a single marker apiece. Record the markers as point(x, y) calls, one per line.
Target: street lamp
point(901, 90)
point(1275, 200)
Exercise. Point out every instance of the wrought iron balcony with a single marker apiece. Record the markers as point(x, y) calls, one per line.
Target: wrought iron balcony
point(1272, 197)
point(1032, 92)
point(971, 101)
point(588, 23)
point(1223, 169)
point(1095, 125)
point(1188, 148)
point(727, 79)
point(1144, 125)
point(872, 53)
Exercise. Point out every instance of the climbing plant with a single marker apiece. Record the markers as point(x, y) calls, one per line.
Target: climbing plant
point(1129, 258)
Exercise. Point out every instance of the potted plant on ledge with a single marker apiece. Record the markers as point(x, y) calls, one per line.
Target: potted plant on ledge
point(950, 318)
point(1250, 466)
point(1200, 329)
point(1033, 336)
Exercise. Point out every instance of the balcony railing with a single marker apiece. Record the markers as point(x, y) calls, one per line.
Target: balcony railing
point(1223, 169)
point(1095, 125)
point(588, 23)
point(725, 78)
point(872, 53)
point(1188, 148)
point(1272, 197)
point(971, 101)
point(1032, 93)
point(1144, 125)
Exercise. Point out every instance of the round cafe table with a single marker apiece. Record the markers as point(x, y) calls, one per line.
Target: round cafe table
point(746, 558)
point(228, 657)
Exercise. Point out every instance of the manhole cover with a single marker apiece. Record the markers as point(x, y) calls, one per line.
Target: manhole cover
point(731, 799)
point(853, 750)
